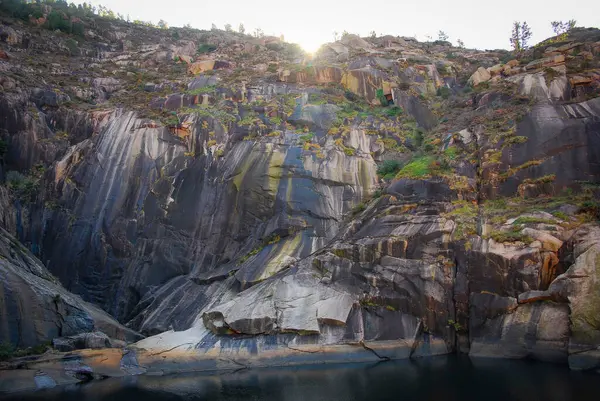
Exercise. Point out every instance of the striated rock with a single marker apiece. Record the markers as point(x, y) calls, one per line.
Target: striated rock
point(237, 216)
point(580, 287)
point(316, 74)
point(365, 82)
point(36, 308)
point(552, 61)
point(539, 331)
point(544, 128)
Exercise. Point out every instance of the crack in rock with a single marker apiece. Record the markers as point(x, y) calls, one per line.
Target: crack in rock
point(365, 346)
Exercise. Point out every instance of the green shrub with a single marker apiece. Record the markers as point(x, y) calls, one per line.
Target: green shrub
point(382, 99)
point(78, 29)
point(307, 138)
point(316, 98)
point(533, 220)
point(73, 47)
point(349, 151)
point(451, 153)
point(419, 167)
point(388, 169)
point(203, 90)
point(444, 92)
point(541, 180)
point(592, 207)
point(394, 111)
point(358, 208)
point(23, 187)
point(560, 215)
point(512, 235)
point(3, 147)
point(515, 139)
point(206, 48)
point(17, 9)
point(8, 351)
point(351, 96)
point(418, 136)
point(57, 20)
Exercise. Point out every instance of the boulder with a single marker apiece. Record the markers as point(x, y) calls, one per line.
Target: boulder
point(355, 42)
point(549, 242)
point(201, 66)
point(42, 97)
point(496, 70)
point(202, 81)
point(479, 76)
point(108, 85)
point(552, 61)
point(94, 340)
point(10, 36)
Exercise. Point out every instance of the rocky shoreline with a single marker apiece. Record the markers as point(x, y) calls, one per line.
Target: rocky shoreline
point(60, 369)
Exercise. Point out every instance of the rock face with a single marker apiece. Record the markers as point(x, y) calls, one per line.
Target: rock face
point(95, 340)
point(579, 286)
point(257, 207)
point(36, 308)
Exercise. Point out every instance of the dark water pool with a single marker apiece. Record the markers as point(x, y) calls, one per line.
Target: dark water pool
point(437, 379)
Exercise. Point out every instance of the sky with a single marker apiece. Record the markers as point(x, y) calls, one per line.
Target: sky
point(310, 23)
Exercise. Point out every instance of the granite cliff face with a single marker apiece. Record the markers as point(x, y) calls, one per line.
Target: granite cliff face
point(233, 199)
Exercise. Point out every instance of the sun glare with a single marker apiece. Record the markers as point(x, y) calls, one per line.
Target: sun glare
point(310, 45)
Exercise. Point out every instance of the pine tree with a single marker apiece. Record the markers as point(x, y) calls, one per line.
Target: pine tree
point(560, 27)
point(521, 33)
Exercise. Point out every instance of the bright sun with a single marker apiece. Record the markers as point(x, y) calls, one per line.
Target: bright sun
point(310, 45)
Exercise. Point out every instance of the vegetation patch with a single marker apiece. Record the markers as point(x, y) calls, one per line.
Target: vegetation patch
point(512, 235)
point(465, 216)
point(533, 220)
point(361, 207)
point(541, 180)
point(8, 351)
point(388, 169)
point(204, 48)
point(515, 170)
point(418, 168)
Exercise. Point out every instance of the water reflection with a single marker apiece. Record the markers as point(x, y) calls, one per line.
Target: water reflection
point(436, 379)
